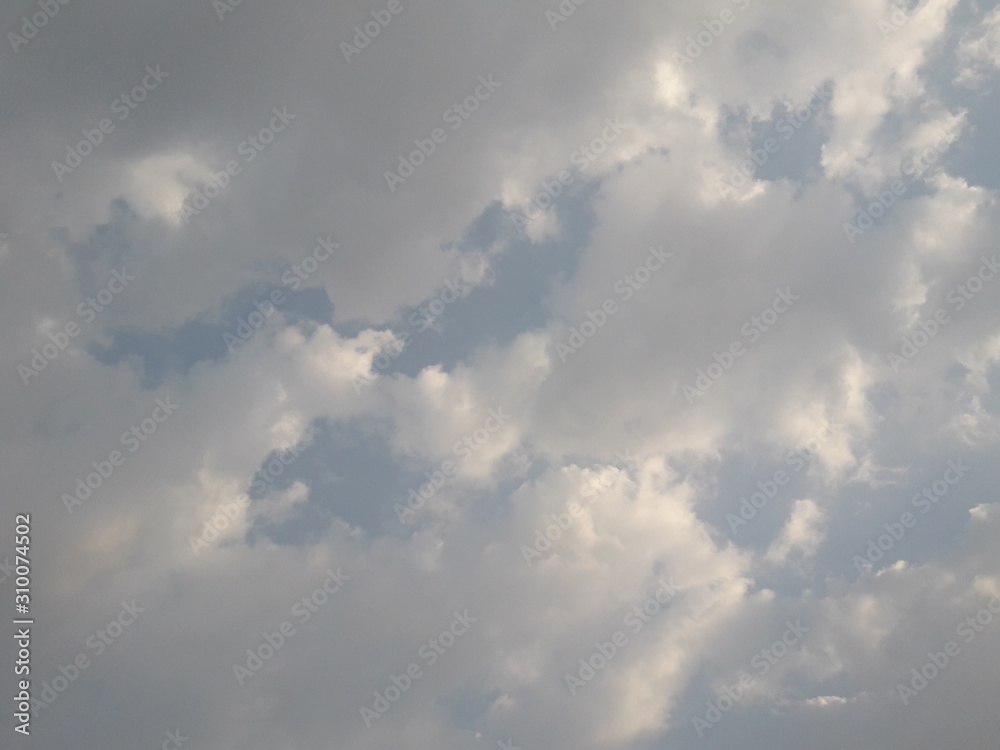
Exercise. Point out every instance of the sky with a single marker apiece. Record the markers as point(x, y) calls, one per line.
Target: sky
point(500, 375)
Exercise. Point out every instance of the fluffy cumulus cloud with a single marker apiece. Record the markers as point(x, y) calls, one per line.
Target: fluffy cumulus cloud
point(500, 375)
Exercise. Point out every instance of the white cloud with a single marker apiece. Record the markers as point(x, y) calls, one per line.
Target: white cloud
point(812, 392)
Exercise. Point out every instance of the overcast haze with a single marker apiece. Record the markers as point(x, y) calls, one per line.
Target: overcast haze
point(501, 375)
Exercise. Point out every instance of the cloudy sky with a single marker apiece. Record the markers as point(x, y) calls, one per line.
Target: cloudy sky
point(501, 375)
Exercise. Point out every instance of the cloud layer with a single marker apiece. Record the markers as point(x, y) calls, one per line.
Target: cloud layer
point(503, 375)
